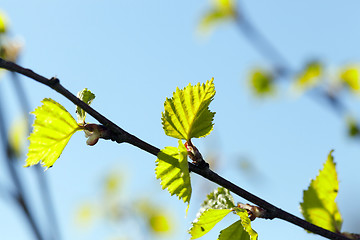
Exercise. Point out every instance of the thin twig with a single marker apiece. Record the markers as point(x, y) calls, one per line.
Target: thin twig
point(19, 190)
point(280, 64)
point(123, 136)
point(44, 187)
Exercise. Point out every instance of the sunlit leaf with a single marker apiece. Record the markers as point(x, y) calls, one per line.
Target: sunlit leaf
point(206, 221)
point(351, 77)
point(85, 215)
point(353, 128)
point(53, 128)
point(236, 231)
point(158, 218)
point(86, 96)
point(218, 199)
point(262, 82)
point(17, 135)
point(245, 221)
point(159, 223)
point(319, 206)
point(172, 169)
point(309, 77)
point(221, 11)
point(3, 22)
point(113, 183)
point(187, 113)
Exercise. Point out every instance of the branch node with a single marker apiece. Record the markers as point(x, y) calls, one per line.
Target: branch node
point(54, 81)
point(195, 155)
point(254, 211)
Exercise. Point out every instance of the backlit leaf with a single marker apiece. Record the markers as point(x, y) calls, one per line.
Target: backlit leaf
point(221, 11)
point(351, 77)
point(159, 223)
point(352, 127)
point(86, 96)
point(187, 113)
point(319, 206)
point(248, 232)
point(172, 169)
point(3, 22)
point(85, 215)
point(207, 221)
point(218, 199)
point(156, 215)
point(309, 77)
point(17, 135)
point(262, 82)
point(53, 128)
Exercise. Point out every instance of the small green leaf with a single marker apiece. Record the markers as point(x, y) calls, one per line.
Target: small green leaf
point(173, 171)
point(187, 113)
point(17, 136)
point(53, 129)
point(351, 77)
point(221, 11)
point(249, 233)
point(352, 127)
point(3, 22)
point(218, 199)
point(262, 82)
point(86, 96)
point(309, 77)
point(206, 221)
point(319, 206)
point(238, 231)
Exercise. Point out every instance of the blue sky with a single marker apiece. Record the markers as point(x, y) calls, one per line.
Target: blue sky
point(133, 54)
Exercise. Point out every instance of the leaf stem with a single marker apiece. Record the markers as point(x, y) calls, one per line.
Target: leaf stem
point(122, 136)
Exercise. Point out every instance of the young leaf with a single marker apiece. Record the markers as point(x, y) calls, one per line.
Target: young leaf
point(17, 136)
point(351, 77)
point(239, 231)
point(86, 96)
point(172, 169)
point(207, 221)
point(53, 128)
point(309, 77)
point(262, 82)
point(249, 233)
point(187, 113)
point(3, 22)
point(218, 199)
point(319, 206)
point(221, 11)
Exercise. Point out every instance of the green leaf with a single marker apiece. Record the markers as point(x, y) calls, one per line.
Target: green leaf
point(309, 77)
point(86, 96)
point(262, 82)
point(218, 199)
point(319, 206)
point(17, 136)
point(352, 127)
point(3, 22)
point(221, 11)
point(351, 77)
point(239, 230)
point(187, 113)
point(206, 221)
point(173, 171)
point(53, 128)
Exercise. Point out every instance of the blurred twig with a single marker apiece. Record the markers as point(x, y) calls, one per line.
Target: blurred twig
point(44, 187)
point(281, 66)
point(119, 135)
point(19, 192)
